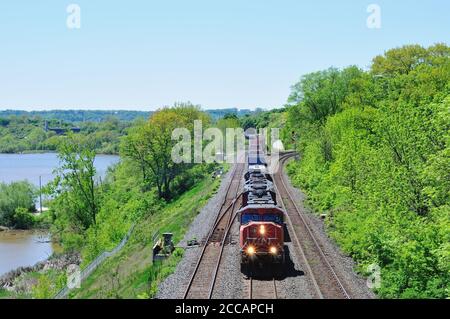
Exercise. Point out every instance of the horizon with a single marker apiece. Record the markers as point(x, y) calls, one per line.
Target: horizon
point(147, 55)
point(126, 110)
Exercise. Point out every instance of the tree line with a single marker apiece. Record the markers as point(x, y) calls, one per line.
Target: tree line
point(22, 131)
point(28, 134)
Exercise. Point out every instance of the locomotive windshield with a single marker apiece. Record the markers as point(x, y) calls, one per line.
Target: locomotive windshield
point(247, 218)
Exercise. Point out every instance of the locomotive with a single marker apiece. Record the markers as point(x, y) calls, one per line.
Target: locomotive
point(261, 233)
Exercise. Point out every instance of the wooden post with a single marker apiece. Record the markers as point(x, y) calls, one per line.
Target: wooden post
point(40, 193)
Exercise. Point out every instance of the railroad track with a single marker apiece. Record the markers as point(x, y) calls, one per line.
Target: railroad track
point(324, 279)
point(202, 282)
point(262, 289)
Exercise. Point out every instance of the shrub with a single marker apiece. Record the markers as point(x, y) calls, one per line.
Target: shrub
point(13, 196)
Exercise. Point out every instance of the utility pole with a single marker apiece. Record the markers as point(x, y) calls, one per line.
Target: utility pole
point(40, 193)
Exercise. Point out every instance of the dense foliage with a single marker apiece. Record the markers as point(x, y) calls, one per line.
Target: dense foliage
point(17, 204)
point(375, 151)
point(151, 144)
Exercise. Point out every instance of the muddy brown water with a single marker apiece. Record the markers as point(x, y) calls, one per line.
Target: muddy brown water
point(23, 248)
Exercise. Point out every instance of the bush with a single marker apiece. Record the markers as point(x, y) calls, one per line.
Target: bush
point(12, 197)
point(23, 219)
point(43, 289)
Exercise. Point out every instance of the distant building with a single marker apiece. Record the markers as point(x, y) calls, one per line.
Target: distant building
point(60, 130)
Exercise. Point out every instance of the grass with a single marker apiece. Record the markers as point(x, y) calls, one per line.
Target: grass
point(131, 273)
point(5, 294)
point(55, 279)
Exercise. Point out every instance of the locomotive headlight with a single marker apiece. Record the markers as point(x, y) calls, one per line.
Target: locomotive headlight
point(250, 250)
point(262, 229)
point(273, 250)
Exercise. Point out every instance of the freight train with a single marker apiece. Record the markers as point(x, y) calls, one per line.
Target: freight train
point(261, 233)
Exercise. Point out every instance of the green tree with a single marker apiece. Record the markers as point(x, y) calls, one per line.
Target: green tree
point(23, 219)
point(322, 94)
point(78, 196)
point(150, 145)
point(17, 195)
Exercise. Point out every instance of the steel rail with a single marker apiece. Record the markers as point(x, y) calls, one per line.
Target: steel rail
point(250, 289)
point(216, 270)
point(299, 246)
point(310, 233)
point(218, 219)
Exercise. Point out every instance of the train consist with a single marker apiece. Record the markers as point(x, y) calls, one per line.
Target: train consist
point(261, 233)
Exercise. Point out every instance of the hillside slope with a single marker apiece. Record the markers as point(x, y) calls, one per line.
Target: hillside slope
point(131, 273)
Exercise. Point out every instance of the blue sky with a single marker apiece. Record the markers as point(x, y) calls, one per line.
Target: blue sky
point(234, 53)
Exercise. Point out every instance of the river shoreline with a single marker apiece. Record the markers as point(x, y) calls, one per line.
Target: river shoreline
point(24, 248)
point(17, 281)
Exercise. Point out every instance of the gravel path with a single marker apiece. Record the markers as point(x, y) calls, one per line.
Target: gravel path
point(175, 285)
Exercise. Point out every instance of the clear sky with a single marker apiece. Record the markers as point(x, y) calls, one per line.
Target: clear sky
point(234, 53)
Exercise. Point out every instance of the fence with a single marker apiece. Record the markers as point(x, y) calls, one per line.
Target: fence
point(86, 272)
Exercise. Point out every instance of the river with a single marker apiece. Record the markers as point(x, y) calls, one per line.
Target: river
point(18, 167)
point(25, 248)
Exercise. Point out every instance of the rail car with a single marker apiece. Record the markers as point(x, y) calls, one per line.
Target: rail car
point(256, 158)
point(261, 233)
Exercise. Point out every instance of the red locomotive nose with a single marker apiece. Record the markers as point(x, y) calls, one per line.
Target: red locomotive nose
point(263, 231)
point(262, 241)
point(261, 236)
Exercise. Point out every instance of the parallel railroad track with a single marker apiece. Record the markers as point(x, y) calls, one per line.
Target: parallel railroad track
point(324, 279)
point(202, 282)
